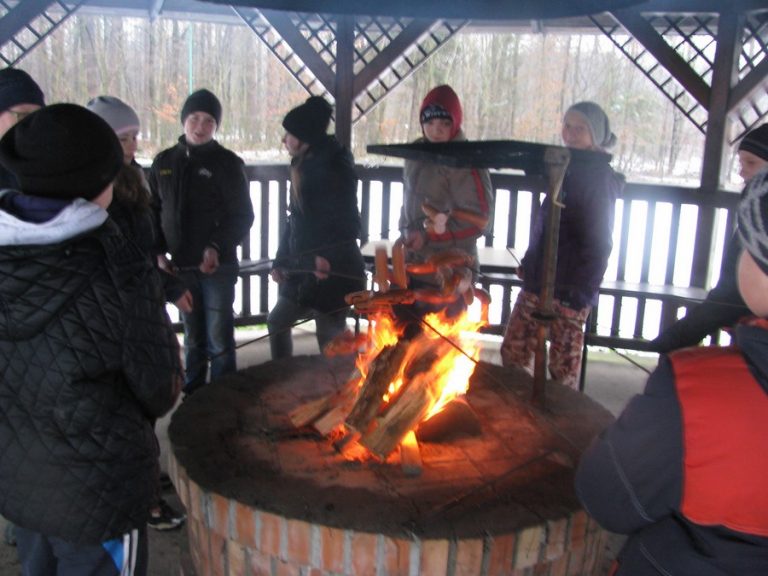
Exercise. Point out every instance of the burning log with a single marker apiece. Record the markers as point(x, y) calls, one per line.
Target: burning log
point(456, 420)
point(334, 417)
point(402, 414)
point(382, 371)
point(310, 412)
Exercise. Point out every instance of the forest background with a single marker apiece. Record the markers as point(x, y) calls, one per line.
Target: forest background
point(512, 86)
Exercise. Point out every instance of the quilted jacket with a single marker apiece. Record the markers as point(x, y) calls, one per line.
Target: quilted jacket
point(88, 360)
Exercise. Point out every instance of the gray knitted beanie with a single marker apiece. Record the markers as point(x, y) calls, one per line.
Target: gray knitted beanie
point(121, 117)
point(599, 126)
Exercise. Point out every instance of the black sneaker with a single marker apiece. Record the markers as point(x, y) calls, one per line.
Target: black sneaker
point(165, 517)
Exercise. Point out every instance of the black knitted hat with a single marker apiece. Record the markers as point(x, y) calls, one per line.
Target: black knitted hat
point(309, 121)
point(202, 101)
point(62, 151)
point(752, 219)
point(756, 142)
point(17, 87)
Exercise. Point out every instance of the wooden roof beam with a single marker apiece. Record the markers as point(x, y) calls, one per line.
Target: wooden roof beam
point(652, 41)
point(394, 50)
point(282, 23)
point(749, 84)
point(20, 16)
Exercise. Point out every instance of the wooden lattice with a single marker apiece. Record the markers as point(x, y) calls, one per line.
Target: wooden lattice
point(692, 51)
point(693, 37)
point(34, 30)
point(754, 51)
point(306, 45)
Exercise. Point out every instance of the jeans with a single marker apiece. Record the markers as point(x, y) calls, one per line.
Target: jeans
point(283, 316)
point(42, 555)
point(209, 330)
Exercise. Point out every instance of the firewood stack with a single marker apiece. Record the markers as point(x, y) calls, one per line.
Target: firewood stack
point(395, 388)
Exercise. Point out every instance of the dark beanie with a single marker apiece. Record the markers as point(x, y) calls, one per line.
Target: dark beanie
point(202, 101)
point(17, 87)
point(62, 151)
point(756, 142)
point(752, 219)
point(309, 121)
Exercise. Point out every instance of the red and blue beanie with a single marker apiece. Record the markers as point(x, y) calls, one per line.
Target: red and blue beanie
point(442, 102)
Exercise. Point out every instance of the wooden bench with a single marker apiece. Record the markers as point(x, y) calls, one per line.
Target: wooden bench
point(672, 298)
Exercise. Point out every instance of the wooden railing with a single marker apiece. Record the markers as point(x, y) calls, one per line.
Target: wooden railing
point(649, 274)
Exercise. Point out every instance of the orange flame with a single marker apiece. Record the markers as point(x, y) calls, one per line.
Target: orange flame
point(448, 338)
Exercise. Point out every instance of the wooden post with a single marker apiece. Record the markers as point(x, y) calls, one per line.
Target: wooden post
point(556, 161)
point(345, 78)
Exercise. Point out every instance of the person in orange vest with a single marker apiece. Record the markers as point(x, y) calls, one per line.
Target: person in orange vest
point(682, 471)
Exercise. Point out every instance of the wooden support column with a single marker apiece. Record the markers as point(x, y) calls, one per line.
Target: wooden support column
point(724, 76)
point(556, 161)
point(345, 78)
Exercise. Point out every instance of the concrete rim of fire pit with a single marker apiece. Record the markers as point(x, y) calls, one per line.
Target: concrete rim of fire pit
point(233, 438)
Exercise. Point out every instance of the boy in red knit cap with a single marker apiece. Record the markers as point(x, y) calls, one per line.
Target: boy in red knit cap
point(435, 195)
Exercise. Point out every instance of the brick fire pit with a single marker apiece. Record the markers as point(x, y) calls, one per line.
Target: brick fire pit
point(267, 499)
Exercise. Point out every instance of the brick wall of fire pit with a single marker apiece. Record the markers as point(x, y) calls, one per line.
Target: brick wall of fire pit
point(263, 499)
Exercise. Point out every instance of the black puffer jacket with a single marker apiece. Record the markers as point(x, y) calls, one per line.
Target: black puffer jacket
point(326, 223)
point(88, 359)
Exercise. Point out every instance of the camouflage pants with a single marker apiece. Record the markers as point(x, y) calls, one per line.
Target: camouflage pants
point(566, 338)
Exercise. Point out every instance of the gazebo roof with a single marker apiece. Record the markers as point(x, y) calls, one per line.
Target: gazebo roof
point(707, 56)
